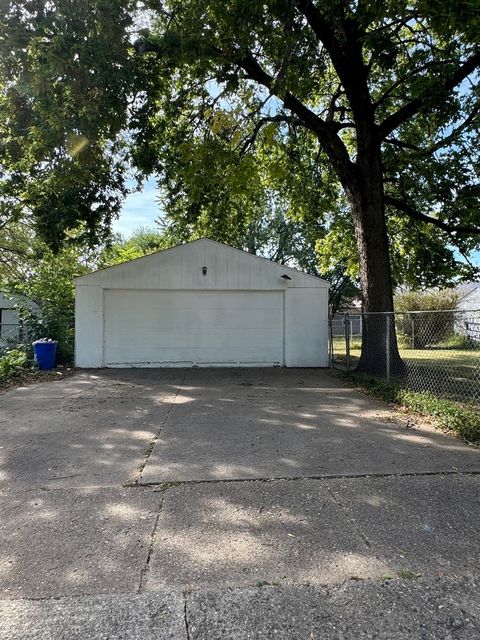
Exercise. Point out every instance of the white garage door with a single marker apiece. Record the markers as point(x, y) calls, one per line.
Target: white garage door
point(185, 328)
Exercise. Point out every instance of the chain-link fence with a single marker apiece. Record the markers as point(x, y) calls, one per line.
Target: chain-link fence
point(436, 351)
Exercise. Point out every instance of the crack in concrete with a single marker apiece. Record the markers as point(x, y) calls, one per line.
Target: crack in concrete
point(81, 487)
point(185, 614)
point(163, 486)
point(153, 536)
point(351, 520)
point(75, 596)
point(134, 480)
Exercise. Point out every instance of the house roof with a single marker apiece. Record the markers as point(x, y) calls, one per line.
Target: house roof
point(9, 300)
point(465, 290)
point(180, 247)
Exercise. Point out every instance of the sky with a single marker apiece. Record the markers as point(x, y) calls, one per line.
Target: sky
point(139, 210)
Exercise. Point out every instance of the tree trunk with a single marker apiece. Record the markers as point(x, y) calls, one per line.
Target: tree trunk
point(380, 355)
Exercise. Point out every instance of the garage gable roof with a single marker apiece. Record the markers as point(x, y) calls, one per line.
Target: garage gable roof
point(181, 267)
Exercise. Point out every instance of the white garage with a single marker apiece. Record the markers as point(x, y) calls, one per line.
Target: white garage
point(201, 304)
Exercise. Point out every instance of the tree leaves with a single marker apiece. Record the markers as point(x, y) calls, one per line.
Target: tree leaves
point(65, 80)
point(88, 88)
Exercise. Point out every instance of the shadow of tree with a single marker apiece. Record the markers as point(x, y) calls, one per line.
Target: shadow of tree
point(316, 531)
point(68, 528)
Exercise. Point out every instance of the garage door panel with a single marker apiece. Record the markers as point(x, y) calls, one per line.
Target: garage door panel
point(127, 298)
point(151, 328)
point(172, 320)
point(176, 338)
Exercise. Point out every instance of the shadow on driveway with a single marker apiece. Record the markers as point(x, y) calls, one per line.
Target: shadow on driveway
point(70, 528)
point(287, 423)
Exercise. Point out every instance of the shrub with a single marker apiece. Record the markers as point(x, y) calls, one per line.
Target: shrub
point(12, 362)
point(421, 329)
point(50, 285)
point(458, 341)
point(450, 415)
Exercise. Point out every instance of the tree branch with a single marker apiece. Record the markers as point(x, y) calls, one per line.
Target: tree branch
point(414, 106)
point(403, 145)
point(464, 255)
point(346, 54)
point(451, 137)
point(405, 78)
point(282, 72)
point(317, 22)
point(142, 46)
point(325, 132)
point(418, 215)
point(250, 140)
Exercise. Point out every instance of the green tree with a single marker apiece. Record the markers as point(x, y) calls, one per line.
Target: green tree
point(17, 242)
point(386, 91)
point(62, 111)
point(48, 280)
point(380, 97)
point(141, 242)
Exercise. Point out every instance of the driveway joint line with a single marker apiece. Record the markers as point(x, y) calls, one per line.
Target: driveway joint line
point(167, 484)
point(74, 596)
point(199, 589)
point(134, 480)
point(82, 487)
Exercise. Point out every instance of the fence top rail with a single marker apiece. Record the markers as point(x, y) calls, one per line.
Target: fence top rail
point(397, 313)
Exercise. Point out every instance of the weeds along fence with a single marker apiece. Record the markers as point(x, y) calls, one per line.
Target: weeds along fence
point(440, 350)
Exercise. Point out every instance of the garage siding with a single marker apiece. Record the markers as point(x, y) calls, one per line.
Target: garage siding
point(201, 303)
point(306, 322)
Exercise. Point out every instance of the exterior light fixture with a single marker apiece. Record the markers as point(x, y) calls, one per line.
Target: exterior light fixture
point(285, 277)
point(204, 271)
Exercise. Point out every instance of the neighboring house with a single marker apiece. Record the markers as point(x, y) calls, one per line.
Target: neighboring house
point(201, 304)
point(467, 321)
point(10, 323)
point(468, 296)
point(8, 315)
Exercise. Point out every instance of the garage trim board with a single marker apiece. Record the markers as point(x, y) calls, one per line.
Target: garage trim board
point(201, 304)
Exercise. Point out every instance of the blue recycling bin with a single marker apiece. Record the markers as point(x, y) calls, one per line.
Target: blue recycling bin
point(44, 353)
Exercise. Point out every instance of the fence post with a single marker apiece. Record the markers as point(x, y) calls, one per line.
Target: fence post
point(413, 331)
point(346, 323)
point(330, 331)
point(387, 344)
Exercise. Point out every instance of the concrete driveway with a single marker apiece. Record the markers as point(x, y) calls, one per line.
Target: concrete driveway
point(195, 504)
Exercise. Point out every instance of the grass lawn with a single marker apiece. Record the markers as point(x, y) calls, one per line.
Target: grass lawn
point(452, 373)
